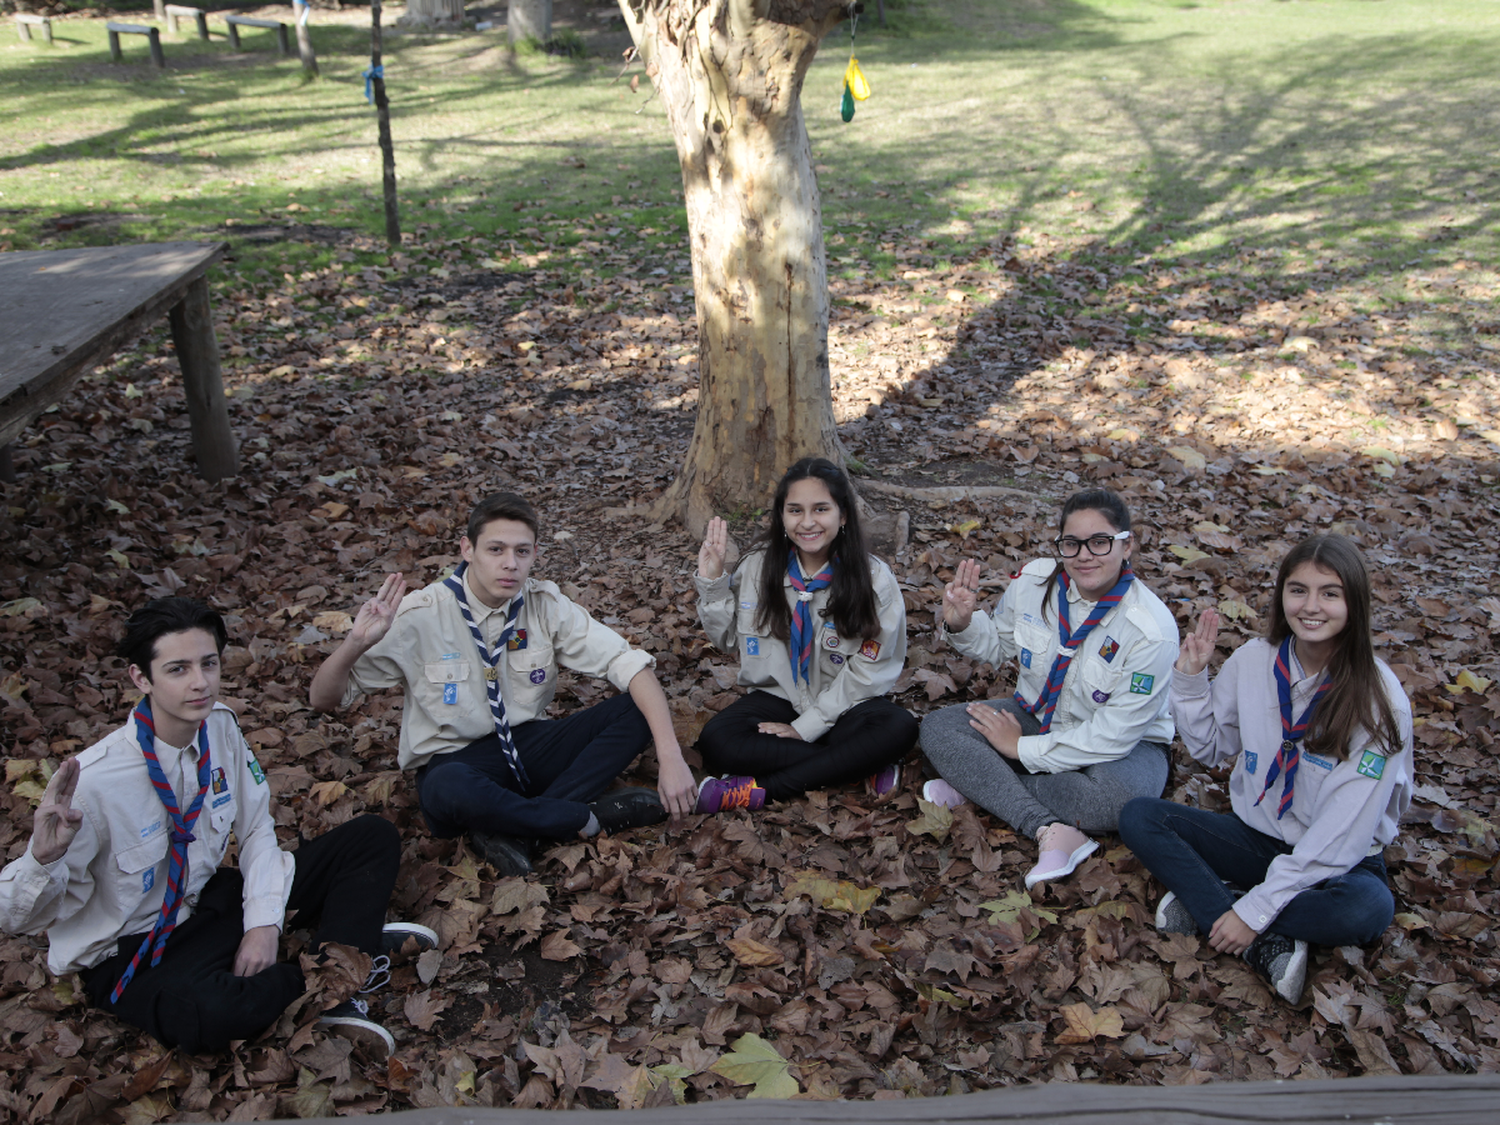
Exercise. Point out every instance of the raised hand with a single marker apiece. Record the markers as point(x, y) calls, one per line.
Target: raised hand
point(715, 547)
point(375, 616)
point(56, 820)
point(961, 596)
point(1198, 646)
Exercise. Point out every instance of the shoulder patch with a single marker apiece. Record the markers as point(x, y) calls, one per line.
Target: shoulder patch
point(1371, 765)
point(1142, 683)
point(255, 770)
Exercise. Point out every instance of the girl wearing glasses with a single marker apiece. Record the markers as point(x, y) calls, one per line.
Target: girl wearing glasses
point(1089, 724)
point(1320, 733)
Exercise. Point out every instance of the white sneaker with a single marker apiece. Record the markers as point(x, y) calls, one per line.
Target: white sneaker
point(1063, 849)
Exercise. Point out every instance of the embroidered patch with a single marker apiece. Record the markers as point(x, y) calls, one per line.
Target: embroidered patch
point(1028, 619)
point(1101, 697)
point(836, 657)
point(1109, 648)
point(1314, 760)
point(220, 782)
point(153, 827)
point(539, 676)
point(752, 646)
point(747, 605)
point(148, 880)
point(224, 800)
point(256, 772)
point(1371, 764)
point(1025, 658)
point(450, 656)
point(450, 693)
point(517, 641)
point(870, 650)
point(1141, 683)
point(1250, 761)
point(831, 641)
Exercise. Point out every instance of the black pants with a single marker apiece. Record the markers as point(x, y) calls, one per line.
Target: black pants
point(865, 739)
point(193, 1000)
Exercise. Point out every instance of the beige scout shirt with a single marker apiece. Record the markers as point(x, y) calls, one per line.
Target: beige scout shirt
point(113, 877)
point(844, 671)
point(1115, 691)
point(430, 653)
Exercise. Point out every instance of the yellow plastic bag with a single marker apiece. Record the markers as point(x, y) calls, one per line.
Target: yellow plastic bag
point(854, 79)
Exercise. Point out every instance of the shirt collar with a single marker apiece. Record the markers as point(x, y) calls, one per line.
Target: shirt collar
point(477, 607)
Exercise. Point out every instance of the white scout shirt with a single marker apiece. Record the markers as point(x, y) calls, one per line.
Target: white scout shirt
point(1114, 693)
point(111, 881)
point(1341, 811)
point(430, 653)
point(844, 672)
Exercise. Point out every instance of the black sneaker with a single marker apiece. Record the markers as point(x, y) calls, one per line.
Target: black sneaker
point(628, 808)
point(508, 855)
point(351, 1019)
point(395, 935)
point(1172, 917)
point(1282, 961)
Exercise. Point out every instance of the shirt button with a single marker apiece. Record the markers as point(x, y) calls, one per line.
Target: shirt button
point(1262, 919)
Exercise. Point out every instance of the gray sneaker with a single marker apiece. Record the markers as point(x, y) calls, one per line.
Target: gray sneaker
point(1282, 961)
point(351, 1019)
point(1172, 917)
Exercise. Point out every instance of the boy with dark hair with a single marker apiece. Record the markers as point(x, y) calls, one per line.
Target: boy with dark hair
point(477, 655)
point(122, 869)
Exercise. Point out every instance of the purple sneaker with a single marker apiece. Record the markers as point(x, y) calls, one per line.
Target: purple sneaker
point(939, 792)
point(720, 794)
point(886, 781)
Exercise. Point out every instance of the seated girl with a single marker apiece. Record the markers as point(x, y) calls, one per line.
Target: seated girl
point(1088, 726)
point(820, 629)
point(1321, 735)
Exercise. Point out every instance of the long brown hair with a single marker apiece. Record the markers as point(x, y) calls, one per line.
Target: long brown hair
point(1356, 694)
point(851, 594)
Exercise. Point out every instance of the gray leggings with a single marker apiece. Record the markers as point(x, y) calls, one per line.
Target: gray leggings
point(1089, 799)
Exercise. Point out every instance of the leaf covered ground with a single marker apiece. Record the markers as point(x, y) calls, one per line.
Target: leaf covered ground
point(833, 946)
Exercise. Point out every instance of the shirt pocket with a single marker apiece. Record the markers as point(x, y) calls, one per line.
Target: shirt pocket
point(1099, 682)
point(450, 688)
point(530, 675)
point(1033, 642)
point(137, 868)
point(834, 653)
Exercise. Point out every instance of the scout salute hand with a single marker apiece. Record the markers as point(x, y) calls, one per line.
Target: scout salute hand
point(56, 821)
point(961, 596)
point(371, 624)
point(715, 547)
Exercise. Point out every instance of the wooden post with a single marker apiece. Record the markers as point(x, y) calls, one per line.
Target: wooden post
point(202, 20)
point(115, 53)
point(161, 10)
point(234, 36)
point(158, 56)
point(7, 466)
point(302, 12)
point(283, 42)
point(387, 146)
point(203, 384)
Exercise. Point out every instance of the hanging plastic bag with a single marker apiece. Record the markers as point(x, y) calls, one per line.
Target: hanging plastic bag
point(854, 80)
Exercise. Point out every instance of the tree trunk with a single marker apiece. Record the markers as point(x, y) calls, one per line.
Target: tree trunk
point(432, 13)
point(730, 74)
point(383, 124)
point(528, 19)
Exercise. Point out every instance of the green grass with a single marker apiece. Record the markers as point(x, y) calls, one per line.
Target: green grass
point(1282, 134)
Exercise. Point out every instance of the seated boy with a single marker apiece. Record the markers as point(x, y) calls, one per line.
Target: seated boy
point(477, 655)
point(122, 869)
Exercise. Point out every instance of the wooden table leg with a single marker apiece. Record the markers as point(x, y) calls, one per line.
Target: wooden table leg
point(203, 382)
point(7, 466)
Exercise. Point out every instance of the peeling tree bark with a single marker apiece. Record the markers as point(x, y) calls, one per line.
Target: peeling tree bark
point(729, 73)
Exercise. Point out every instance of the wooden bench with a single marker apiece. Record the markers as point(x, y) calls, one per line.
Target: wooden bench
point(64, 312)
point(198, 15)
point(117, 29)
point(237, 22)
point(25, 21)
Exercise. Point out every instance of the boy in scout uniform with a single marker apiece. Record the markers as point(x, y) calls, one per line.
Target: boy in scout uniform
point(477, 655)
point(122, 869)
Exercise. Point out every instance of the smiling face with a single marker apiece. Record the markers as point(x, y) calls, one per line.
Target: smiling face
point(1313, 600)
point(812, 520)
point(1092, 575)
point(500, 561)
point(183, 684)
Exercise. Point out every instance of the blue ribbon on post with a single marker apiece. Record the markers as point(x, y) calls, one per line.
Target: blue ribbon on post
point(370, 75)
point(303, 8)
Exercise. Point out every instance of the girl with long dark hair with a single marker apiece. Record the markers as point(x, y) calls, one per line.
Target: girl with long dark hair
point(820, 629)
point(1320, 732)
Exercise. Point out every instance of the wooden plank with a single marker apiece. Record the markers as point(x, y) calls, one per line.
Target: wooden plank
point(153, 37)
point(25, 21)
point(64, 311)
point(1397, 1100)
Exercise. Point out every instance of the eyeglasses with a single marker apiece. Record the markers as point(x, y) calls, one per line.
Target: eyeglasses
point(1068, 547)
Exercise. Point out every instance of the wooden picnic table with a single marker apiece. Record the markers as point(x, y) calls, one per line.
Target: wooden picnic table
point(64, 312)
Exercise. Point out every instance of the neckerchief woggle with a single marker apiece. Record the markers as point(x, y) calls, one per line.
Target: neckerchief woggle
point(803, 633)
point(182, 836)
point(1046, 703)
point(1289, 753)
point(491, 660)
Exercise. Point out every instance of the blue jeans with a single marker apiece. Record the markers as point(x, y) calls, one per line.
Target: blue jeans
point(1193, 853)
point(568, 762)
